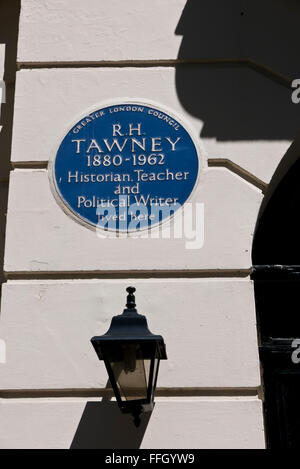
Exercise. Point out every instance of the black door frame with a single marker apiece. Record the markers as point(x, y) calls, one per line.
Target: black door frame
point(281, 375)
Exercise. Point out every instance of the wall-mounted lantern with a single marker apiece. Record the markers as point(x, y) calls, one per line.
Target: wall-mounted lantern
point(131, 354)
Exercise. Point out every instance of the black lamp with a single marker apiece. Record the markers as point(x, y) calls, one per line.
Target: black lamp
point(131, 354)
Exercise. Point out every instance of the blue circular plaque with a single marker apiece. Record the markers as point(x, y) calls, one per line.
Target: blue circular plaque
point(125, 167)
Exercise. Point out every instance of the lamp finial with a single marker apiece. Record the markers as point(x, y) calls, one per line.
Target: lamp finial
point(130, 298)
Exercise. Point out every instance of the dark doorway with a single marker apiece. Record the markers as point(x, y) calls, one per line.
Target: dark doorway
point(276, 274)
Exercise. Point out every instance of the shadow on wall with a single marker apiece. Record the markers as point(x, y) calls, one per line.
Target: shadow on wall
point(9, 19)
point(103, 426)
point(240, 100)
point(276, 238)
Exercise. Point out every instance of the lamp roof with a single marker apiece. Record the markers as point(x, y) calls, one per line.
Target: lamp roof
point(130, 326)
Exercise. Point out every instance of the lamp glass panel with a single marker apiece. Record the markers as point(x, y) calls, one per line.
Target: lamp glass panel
point(131, 373)
point(154, 377)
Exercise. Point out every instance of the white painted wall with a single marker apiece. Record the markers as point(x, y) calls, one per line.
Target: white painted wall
point(208, 326)
point(83, 54)
point(93, 30)
point(231, 206)
point(175, 423)
point(114, 30)
point(2, 57)
point(59, 96)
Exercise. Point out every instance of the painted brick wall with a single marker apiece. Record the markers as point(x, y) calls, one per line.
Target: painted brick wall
point(201, 60)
